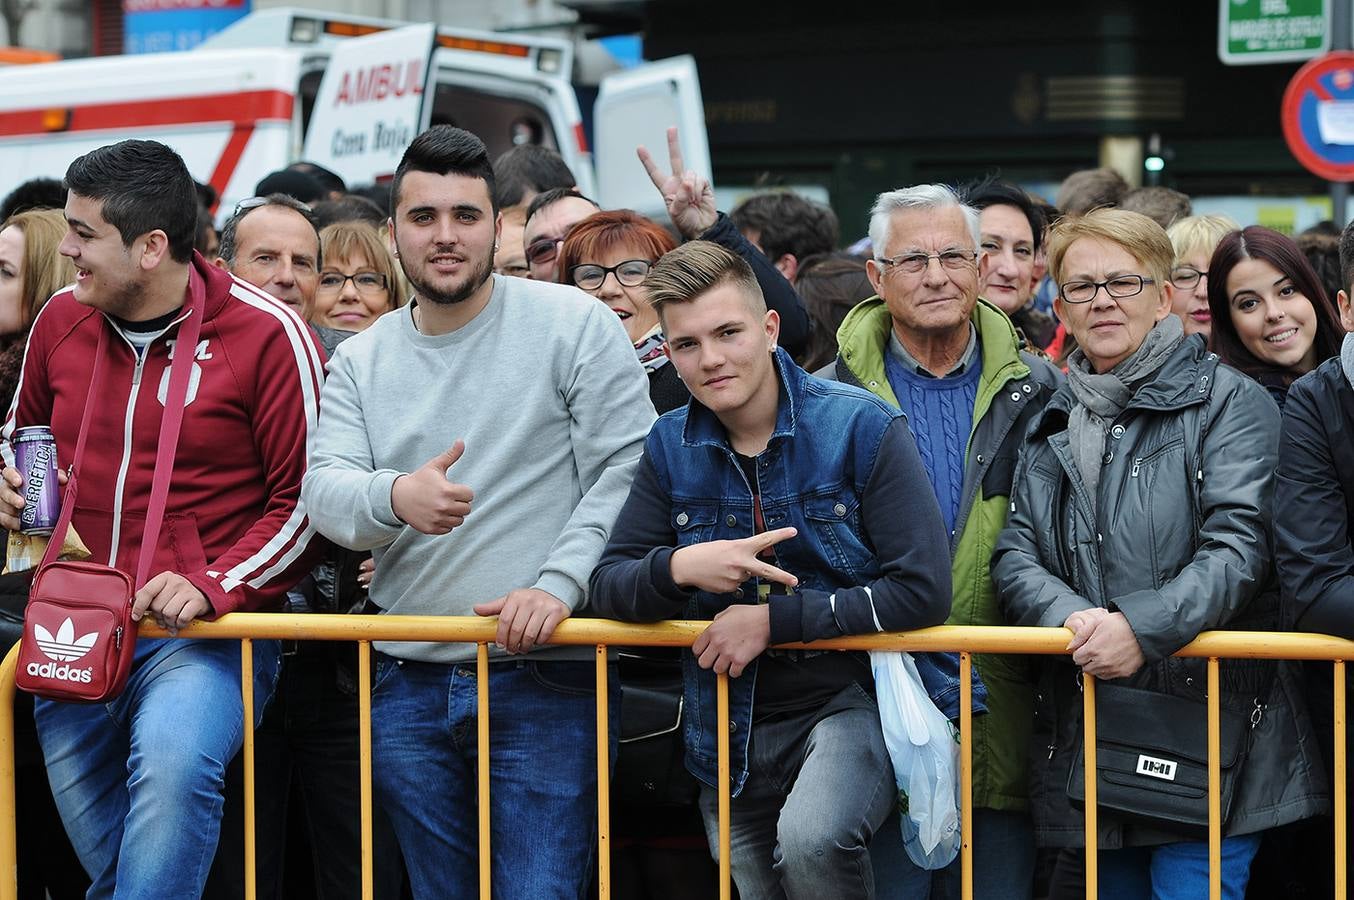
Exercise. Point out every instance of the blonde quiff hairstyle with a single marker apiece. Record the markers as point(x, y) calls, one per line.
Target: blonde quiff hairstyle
point(694, 269)
point(1143, 238)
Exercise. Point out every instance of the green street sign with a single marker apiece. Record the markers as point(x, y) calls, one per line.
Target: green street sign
point(1272, 31)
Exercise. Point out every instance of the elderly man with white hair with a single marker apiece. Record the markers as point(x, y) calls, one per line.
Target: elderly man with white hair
point(952, 362)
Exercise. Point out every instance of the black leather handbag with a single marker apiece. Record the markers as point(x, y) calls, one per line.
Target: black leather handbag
point(650, 766)
point(1152, 758)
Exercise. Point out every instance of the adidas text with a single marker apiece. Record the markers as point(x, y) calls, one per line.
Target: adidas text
point(60, 672)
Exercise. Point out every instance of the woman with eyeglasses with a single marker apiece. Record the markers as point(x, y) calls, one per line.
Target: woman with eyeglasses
point(608, 254)
point(1140, 517)
point(1194, 238)
point(1271, 316)
point(359, 281)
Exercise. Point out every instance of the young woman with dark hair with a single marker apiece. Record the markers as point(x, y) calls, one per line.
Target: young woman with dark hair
point(1271, 316)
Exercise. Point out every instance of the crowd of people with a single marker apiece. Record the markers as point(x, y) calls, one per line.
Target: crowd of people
point(1104, 414)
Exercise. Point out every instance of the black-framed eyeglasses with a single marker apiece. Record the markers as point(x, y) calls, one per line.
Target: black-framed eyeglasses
point(912, 263)
point(1118, 287)
point(630, 272)
point(365, 282)
point(1186, 277)
point(255, 202)
point(543, 250)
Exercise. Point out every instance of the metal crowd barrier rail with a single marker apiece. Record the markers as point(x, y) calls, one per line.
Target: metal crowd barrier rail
point(600, 633)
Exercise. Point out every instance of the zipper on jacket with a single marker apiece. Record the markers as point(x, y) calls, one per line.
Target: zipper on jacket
point(1137, 464)
point(121, 482)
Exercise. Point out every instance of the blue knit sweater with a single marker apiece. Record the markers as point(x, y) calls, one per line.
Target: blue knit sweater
point(940, 414)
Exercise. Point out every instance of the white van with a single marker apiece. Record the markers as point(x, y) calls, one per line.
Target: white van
point(348, 93)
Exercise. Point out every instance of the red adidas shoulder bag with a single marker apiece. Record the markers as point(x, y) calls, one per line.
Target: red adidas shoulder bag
point(78, 635)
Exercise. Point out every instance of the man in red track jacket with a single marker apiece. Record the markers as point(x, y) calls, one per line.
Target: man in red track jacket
point(138, 780)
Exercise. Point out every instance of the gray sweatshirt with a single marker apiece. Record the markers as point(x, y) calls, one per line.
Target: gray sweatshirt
point(544, 388)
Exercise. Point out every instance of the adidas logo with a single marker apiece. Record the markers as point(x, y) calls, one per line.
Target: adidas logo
point(65, 646)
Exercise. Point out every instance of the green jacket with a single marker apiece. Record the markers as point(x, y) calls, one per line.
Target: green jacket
point(1014, 386)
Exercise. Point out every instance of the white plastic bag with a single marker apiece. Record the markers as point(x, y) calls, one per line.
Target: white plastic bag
point(924, 748)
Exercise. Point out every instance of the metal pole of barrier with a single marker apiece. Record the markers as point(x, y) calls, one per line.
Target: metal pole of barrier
point(1088, 754)
point(603, 781)
point(247, 695)
point(364, 761)
point(1341, 780)
point(722, 727)
point(9, 857)
point(1214, 784)
point(482, 723)
point(966, 774)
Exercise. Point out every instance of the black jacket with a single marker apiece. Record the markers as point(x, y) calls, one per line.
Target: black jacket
point(1314, 503)
point(1179, 542)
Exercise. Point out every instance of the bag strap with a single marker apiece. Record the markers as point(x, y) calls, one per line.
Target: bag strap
point(180, 372)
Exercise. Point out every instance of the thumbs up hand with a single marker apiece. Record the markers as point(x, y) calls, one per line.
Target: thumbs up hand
point(427, 500)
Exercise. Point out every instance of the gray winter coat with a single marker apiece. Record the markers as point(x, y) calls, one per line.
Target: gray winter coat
point(1181, 544)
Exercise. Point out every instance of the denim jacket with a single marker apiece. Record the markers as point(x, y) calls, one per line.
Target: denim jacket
point(841, 467)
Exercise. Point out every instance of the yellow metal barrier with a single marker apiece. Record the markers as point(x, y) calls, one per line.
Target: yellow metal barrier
point(601, 634)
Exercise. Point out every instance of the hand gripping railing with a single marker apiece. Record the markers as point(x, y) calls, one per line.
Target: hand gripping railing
point(601, 634)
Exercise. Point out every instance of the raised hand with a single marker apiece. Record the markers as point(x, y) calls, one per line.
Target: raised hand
point(721, 566)
point(427, 500)
point(688, 196)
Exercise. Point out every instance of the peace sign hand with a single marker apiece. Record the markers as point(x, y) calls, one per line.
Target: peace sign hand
point(689, 198)
point(721, 566)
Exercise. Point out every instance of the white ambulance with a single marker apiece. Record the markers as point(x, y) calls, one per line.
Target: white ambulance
point(348, 93)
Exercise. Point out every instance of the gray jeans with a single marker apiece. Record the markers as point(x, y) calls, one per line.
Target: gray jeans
point(819, 785)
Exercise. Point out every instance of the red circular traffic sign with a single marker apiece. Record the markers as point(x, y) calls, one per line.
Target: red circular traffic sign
point(1318, 116)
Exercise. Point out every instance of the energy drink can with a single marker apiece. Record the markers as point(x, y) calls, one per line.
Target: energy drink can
point(35, 458)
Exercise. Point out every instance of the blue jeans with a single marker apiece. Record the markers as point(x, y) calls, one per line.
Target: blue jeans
point(1175, 871)
point(138, 780)
point(819, 783)
point(1003, 861)
point(308, 739)
point(542, 770)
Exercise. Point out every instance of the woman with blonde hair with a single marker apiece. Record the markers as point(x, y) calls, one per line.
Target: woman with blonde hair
point(1141, 517)
point(31, 271)
point(359, 281)
point(1194, 238)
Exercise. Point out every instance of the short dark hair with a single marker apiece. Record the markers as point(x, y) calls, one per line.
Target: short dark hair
point(293, 183)
point(349, 208)
point(787, 222)
point(144, 186)
point(1163, 205)
point(995, 192)
point(1323, 252)
point(229, 232)
point(35, 193)
point(328, 180)
point(446, 150)
point(529, 167)
point(202, 233)
point(376, 193)
point(1089, 189)
point(1347, 258)
point(1281, 252)
point(831, 285)
point(554, 195)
